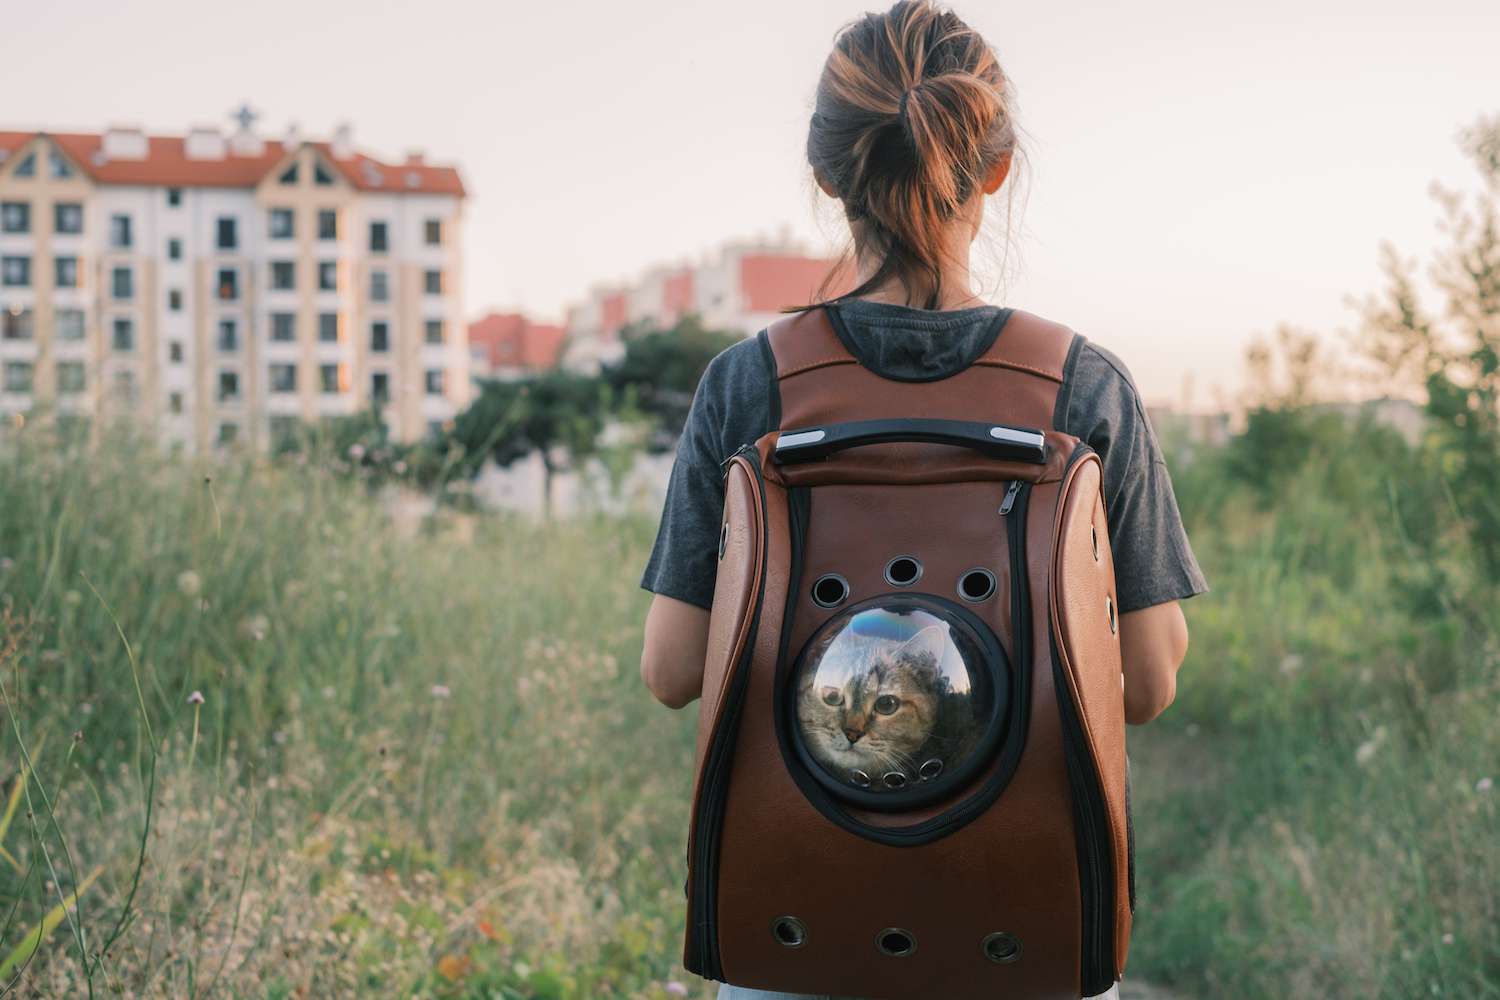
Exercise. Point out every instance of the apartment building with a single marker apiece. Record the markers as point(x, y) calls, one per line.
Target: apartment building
point(742, 287)
point(220, 286)
point(512, 345)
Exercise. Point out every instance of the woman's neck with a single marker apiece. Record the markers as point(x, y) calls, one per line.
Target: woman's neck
point(955, 290)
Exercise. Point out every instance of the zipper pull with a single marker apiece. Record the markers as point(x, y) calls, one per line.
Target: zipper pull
point(1010, 497)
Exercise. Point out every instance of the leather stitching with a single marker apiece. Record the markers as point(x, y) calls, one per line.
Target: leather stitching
point(837, 359)
point(1046, 373)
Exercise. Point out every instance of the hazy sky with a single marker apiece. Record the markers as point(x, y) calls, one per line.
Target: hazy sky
point(1200, 171)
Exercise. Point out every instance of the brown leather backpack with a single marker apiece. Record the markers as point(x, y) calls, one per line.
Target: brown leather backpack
point(911, 776)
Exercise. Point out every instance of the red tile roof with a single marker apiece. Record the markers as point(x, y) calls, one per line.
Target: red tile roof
point(166, 164)
point(511, 340)
point(770, 282)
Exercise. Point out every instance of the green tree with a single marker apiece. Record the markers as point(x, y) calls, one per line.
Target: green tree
point(660, 370)
point(557, 414)
point(1454, 353)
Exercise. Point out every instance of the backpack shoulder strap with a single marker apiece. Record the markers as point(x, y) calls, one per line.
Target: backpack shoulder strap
point(1028, 343)
point(804, 342)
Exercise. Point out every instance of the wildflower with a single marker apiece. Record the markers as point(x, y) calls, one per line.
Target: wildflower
point(196, 698)
point(189, 583)
point(255, 627)
point(7, 564)
point(399, 468)
point(1448, 938)
point(1290, 664)
point(356, 451)
point(339, 597)
point(72, 598)
point(676, 989)
point(329, 691)
point(86, 708)
point(78, 736)
point(1483, 785)
point(1366, 750)
point(440, 691)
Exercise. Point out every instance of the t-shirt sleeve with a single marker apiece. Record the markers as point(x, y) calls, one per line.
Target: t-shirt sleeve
point(684, 561)
point(1154, 562)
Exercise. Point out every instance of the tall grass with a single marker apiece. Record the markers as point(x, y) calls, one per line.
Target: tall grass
point(420, 763)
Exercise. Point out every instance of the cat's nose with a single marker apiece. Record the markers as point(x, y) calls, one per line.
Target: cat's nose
point(854, 734)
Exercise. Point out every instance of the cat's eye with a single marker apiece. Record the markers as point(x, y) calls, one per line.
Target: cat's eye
point(833, 696)
point(887, 704)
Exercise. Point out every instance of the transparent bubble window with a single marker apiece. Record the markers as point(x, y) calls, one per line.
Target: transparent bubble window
point(897, 700)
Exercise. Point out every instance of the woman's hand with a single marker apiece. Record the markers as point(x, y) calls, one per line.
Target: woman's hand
point(675, 646)
point(1153, 642)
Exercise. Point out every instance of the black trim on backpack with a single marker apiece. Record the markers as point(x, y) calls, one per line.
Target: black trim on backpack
point(773, 399)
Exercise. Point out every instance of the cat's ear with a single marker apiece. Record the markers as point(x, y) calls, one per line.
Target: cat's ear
point(932, 641)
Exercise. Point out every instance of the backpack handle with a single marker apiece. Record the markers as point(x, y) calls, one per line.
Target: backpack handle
point(1002, 441)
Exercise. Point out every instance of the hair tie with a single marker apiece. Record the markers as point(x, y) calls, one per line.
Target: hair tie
point(901, 104)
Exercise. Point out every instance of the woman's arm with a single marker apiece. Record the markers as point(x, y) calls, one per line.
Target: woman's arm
point(1153, 642)
point(675, 646)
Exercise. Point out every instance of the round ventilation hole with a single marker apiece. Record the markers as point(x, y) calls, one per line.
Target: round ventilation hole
point(976, 585)
point(789, 932)
point(903, 571)
point(1001, 948)
point(895, 942)
point(830, 590)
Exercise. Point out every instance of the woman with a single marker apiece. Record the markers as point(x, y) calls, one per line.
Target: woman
point(911, 131)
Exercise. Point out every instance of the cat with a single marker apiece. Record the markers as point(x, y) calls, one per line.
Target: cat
point(871, 704)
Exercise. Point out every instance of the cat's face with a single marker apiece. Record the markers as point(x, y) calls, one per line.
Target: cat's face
point(872, 703)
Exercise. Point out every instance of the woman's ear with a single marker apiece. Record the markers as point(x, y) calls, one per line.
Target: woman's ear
point(997, 174)
point(824, 186)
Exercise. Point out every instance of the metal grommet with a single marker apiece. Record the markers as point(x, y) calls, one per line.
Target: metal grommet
point(830, 590)
point(1109, 608)
point(930, 769)
point(894, 779)
point(789, 932)
point(895, 942)
point(723, 539)
point(977, 584)
point(1001, 948)
point(903, 571)
point(1094, 538)
point(860, 778)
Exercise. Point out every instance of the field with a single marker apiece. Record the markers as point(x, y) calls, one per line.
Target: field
point(385, 762)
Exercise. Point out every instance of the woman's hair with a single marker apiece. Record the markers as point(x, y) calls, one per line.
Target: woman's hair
point(912, 113)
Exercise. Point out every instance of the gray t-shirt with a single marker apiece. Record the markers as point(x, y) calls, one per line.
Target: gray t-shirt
point(1098, 404)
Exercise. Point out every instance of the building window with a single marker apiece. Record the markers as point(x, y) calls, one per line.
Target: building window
point(227, 233)
point(432, 281)
point(174, 352)
point(174, 249)
point(229, 386)
point(15, 324)
point(229, 335)
point(380, 337)
point(379, 237)
point(229, 284)
point(433, 380)
point(69, 324)
point(70, 377)
point(380, 286)
point(328, 224)
point(282, 225)
point(125, 387)
point(380, 387)
point(18, 376)
point(283, 432)
point(289, 175)
point(432, 331)
point(122, 283)
point(15, 272)
point(283, 326)
point(67, 217)
point(229, 433)
point(15, 217)
point(27, 166)
point(321, 176)
point(65, 272)
point(174, 197)
point(122, 336)
point(119, 232)
point(328, 378)
point(283, 378)
point(174, 402)
point(283, 275)
point(328, 327)
point(174, 299)
point(328, 276)
point(433, 232)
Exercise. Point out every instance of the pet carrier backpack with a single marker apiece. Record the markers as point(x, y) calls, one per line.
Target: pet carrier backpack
point(911, 776)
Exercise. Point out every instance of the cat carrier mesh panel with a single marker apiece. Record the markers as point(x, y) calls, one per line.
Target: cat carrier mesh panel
point(911, 747)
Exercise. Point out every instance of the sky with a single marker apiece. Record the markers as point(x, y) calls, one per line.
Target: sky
point(1198, 173)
